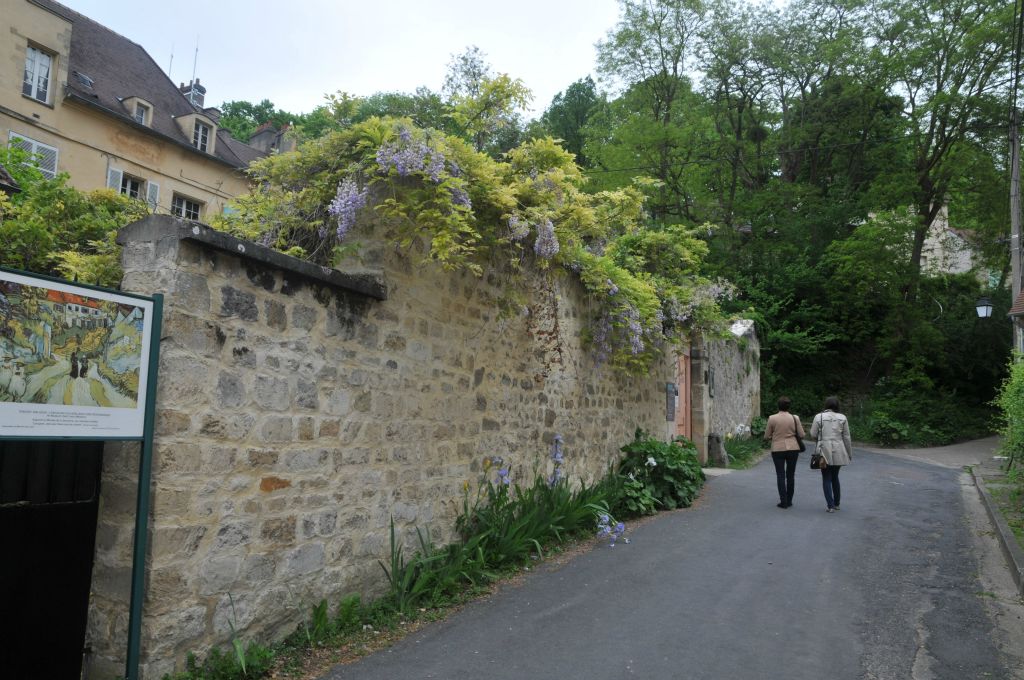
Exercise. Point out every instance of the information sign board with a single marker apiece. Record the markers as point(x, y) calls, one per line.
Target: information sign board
point(74, 360)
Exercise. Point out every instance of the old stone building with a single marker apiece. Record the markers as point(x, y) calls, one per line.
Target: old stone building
point(87, 101)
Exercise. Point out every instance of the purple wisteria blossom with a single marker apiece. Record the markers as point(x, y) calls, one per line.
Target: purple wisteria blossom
point(546, 245)
point(408, 155)
point(635, 329)
point(346, 204)
point(518, 227)
point(460, 197)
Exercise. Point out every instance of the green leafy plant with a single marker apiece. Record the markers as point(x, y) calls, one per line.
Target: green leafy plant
point(52, 228)
point(320, 623)
point(349, 611)
point(669, 472)
point(1010, 401)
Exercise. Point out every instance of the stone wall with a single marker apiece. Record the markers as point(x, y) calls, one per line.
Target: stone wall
point(297, 415)
point(726, 386)
point(735, 379)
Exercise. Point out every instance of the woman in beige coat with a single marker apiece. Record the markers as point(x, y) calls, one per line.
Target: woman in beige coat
point(831, 431)
point(782, 429)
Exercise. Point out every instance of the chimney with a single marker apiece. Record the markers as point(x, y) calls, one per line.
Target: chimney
point(194, 92)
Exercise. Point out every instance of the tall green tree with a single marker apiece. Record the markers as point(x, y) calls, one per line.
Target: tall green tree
point(949, 61)
point(569, 113)
point(242, 118)
point(736, 85)
point(659, 124)
point(486, 108)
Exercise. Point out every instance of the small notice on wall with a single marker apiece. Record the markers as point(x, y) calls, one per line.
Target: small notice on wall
point(73, 360)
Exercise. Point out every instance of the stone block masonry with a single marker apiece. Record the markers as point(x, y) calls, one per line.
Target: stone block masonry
point(300, 409)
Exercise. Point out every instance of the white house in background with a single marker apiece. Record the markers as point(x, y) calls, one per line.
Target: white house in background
point(949, 251)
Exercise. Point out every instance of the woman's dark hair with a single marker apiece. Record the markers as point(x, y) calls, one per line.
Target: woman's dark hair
point(784, 403)
point(832, 404)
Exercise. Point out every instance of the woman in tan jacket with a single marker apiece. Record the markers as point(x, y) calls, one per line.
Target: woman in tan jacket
point(783, 429)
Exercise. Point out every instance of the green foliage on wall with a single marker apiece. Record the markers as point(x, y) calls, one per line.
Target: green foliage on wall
point(528, 212)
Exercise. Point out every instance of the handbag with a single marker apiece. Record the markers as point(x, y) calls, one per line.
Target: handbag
point(818, 461)
point(799, 441)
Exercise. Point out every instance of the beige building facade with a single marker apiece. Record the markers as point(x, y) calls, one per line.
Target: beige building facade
point(92, 103)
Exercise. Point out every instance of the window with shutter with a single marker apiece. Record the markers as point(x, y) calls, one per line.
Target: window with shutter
point(42, 155)
point(131, 186)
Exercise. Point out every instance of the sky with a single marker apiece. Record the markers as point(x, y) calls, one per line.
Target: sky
point(294, 53)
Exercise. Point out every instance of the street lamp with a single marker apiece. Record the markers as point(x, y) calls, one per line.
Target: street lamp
point(983, 307)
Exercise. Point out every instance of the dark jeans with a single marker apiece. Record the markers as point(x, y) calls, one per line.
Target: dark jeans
point(785, 474)
point(830, 485)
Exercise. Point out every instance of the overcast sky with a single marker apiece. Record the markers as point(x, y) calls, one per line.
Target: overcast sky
point(292, 53)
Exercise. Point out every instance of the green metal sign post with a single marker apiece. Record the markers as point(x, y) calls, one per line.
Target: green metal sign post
point(142, 501)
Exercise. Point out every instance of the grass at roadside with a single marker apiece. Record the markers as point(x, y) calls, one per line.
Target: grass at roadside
point(743, 452)
point(1009, 500)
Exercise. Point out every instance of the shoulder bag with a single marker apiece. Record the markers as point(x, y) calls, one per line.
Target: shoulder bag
point(817, 460)
point(796, 433)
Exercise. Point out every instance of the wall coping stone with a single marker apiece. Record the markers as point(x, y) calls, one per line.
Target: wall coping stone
point(162, 227)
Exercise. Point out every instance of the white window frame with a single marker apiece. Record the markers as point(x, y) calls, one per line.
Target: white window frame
point(38, 151)
point(38, 74)
point(126, 183)
point(201, 135)
point(141, 114)
point(180, 207)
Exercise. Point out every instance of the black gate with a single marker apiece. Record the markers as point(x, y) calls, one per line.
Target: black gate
point(49, 495)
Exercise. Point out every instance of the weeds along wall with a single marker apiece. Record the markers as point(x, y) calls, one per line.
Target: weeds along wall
point(297, 414)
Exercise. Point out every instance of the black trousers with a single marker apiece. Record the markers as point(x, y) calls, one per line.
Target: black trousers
point(785, 473)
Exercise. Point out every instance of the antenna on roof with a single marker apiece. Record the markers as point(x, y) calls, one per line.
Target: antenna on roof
point(170, 65)
point(195, 59)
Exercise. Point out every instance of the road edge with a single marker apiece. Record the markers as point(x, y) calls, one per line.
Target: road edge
point(1007, 541)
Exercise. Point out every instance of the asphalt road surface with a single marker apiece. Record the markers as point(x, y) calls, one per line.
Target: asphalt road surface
point(885, 589)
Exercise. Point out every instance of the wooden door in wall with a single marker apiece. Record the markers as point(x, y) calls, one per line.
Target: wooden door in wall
point(683, 400)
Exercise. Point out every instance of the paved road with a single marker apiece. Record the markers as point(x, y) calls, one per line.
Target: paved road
point(886, 589)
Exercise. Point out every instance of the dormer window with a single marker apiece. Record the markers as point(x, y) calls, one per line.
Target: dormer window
point(201, 136)
point(36, 83)
point(201, 130)
point(141, 114)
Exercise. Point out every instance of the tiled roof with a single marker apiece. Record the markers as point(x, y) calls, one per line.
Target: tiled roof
point(1018, 306)
point(115, 68)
